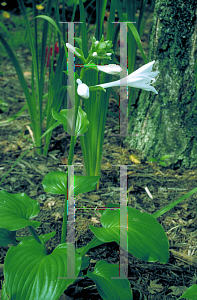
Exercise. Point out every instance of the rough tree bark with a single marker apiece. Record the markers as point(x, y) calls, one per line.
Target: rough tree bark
point(167, 123)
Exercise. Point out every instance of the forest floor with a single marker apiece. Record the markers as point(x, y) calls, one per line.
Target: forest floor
point(150, 281)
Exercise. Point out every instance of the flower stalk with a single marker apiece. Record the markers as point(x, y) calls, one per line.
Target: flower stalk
point(96, 108)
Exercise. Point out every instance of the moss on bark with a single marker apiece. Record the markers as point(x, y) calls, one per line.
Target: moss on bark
point(167, 123)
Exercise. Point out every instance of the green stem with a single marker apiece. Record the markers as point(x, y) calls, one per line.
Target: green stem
point(82, 73)
point(64, 225)
point(70, 159)
point(71, 150)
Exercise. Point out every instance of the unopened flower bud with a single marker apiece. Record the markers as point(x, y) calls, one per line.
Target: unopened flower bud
point(83, 89)
point(72, 49)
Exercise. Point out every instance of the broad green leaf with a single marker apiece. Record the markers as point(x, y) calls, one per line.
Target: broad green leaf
point(84, 184)
point(43, 238)
point(85, 262)
point(108, 288)
point(191, 293)
point(32, 274)
point(16, 210)
point(66, 117)
point(146, 237)
point(56, 183)
point(6, 237)
point(4, 295)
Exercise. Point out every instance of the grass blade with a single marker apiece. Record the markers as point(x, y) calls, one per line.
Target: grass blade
point(138, 41)
point(19, 72)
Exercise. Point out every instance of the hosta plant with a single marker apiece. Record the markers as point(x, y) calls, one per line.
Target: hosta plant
point(30, 272)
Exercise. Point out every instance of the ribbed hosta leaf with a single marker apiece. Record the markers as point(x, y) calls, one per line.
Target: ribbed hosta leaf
point(32, 274)
point(56, 183)
point(109, 288)
point(16, 210)
point(146, 237)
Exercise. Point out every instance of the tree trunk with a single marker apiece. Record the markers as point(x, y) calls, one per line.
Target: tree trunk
point(167, 123)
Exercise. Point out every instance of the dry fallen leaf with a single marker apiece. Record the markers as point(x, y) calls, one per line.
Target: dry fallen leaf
point(154, 287)
point(134, 159)
point(43, 168)
point(106, 166)
point(93, 197)
point(177, 290)
point(27, 74)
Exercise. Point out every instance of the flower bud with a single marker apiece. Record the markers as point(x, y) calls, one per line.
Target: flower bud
point(83, 89)
point(72, 49)
point(110, 69)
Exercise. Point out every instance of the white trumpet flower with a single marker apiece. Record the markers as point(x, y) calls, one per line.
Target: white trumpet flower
point(83, 89)
point(140, 78)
